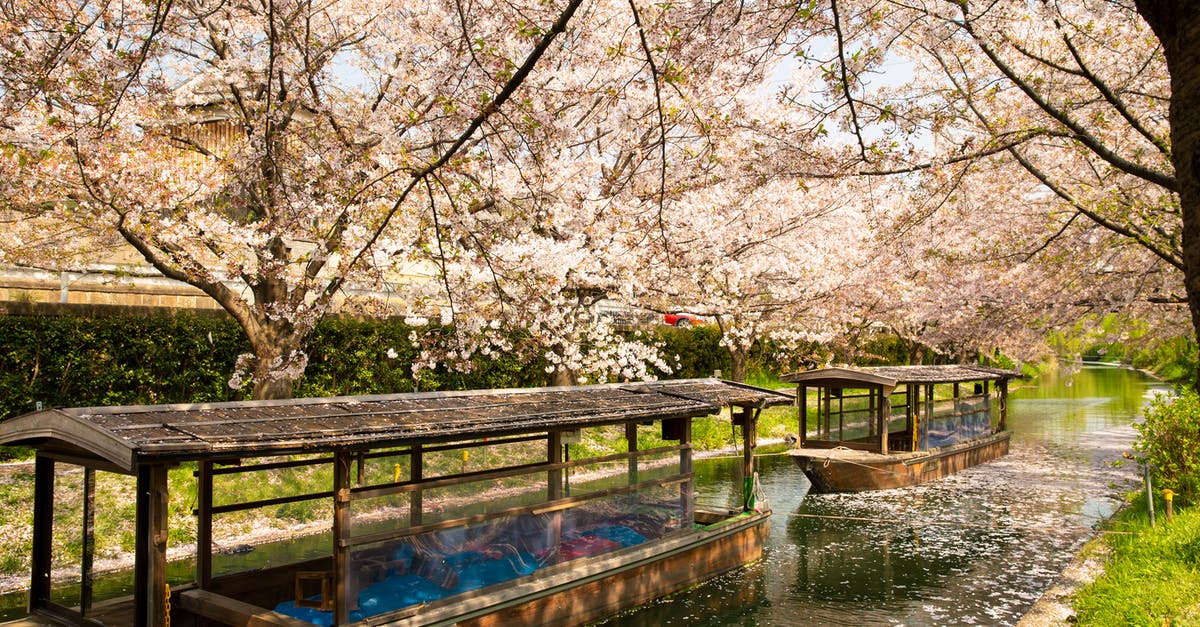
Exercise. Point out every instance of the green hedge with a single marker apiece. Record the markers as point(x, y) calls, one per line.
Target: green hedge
point(349, 357)
point(75, 361)
point(85, 361)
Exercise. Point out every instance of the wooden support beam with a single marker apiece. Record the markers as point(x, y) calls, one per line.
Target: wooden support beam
point(1003, 385)
point(554, 485)
point(881, 407)
point(341, 537)
point(43, 532)
point(841, 415)
point(150, 557)
point(227, 611)
point(554, 476)
point(749, 443)
point(631, 438)
point(928, 408)
point(824, 404)
point(204, 514)
point(416, 474)
point(802, 403)
point(89, 541)
point(687, 488)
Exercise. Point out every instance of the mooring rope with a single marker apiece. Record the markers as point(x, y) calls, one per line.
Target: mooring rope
point(955, 523)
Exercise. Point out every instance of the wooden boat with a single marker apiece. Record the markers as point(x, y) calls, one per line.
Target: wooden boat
point(447, 508)
point(898, 426)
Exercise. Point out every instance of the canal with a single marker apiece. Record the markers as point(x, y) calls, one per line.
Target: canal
point(976, 548)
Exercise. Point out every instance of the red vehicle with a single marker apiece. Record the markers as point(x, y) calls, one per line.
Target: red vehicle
point(682, 320)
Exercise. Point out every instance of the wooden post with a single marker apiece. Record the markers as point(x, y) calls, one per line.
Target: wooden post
point(802, 402)
point(204, 503)
point(912, 403)
point(554, 477)
point(341, 537)
point(89, 541)
point(928, 408)
point(150, 557)
point(685, 468)
point(554, 487)
point(1002, 384)
point(881, 407)
point(959, 418)
point(841, 414)
point(823, 393)
point(749, 443)
point(874, 426)
point(416, 473)
point(631, 438)
point(43, 532)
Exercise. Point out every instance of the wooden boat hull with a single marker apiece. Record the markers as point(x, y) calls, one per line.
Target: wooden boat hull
point(843, 470)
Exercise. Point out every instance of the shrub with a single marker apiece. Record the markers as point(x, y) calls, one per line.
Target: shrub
point(1169, 440)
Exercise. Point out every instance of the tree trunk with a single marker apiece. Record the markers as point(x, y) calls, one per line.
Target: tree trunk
point(563, 376)
point(737, 364)
point(275, 343)
point(1177, 25)
point(272, 389)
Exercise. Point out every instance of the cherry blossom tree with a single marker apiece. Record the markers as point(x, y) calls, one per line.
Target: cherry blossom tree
point(275, 153)
point(268, 153)
point(578, 208)
point(1077, 99)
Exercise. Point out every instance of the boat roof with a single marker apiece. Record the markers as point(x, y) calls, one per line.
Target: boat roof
point(892, 376)
point(121, 438)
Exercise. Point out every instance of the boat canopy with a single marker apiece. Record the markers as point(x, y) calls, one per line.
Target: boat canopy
point(896, 408)
point(891, 376)
point(121, 438)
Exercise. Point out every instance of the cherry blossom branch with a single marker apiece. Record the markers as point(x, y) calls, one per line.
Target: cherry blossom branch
point(506, 92)
point(845, 80)
point(1111, 97)
point(1171, 257)
point(662, 124)
point(1079, 132)
point(1049, 240)
point(1082, 70)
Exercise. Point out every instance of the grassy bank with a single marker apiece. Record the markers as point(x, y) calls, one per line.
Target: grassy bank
point(1152, 576)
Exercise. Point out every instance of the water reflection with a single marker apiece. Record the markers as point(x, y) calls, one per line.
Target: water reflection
point(978, 547)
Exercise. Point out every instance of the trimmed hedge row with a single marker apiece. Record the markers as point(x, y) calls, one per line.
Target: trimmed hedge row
point(87, 360)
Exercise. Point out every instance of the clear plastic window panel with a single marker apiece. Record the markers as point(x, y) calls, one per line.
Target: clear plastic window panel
point(389, 576)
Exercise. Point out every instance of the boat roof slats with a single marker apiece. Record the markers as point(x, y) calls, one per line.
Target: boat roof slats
point(942, 374)
point(723, 392)
point(144, 434)
point(890, 376)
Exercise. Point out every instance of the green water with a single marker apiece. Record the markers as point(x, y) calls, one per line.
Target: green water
point(976, 548)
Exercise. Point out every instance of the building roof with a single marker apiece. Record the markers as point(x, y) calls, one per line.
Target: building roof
point(891, 376)
point(121, 438)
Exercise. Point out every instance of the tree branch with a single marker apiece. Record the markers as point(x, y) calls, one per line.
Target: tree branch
point(1080, 133)
point(506, 92)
